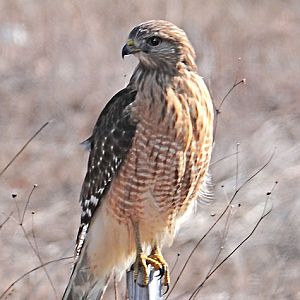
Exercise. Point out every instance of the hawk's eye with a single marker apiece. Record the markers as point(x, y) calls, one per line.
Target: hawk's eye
point(154, 41)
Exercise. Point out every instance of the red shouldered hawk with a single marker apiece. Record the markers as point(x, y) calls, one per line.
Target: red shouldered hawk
point(149, 155)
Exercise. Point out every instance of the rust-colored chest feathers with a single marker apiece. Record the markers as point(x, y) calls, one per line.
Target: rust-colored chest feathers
point(170, 153)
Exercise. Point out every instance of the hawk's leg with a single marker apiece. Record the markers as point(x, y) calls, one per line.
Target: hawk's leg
point(155, 259)
point(142, 260)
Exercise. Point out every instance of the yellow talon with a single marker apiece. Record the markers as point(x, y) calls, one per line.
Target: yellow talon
point(157, 256)
point(141, 264)
point(155, 259)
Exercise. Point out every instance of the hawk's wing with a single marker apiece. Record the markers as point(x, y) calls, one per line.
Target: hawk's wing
point(111, 139)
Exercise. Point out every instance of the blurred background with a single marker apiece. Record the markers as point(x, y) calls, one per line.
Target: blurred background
point(60, 61)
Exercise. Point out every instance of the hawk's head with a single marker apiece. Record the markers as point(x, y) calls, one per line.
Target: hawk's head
point(158, 43)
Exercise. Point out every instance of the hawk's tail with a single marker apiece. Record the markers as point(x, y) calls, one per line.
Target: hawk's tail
point(109, 248)
point(82, 284)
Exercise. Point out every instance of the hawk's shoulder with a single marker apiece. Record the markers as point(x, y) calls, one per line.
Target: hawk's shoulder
point(110, 141)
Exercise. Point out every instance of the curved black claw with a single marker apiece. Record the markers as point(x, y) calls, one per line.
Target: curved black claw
point(167, 289)
point(162, 272)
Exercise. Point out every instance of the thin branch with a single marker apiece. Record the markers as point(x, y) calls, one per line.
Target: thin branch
point(237, 166)
point(10, 216)
point(223, 240)
point(14, 196)
point(263, 215)
point(32, 270)
point(27, 202)
point(228, 93)
point(35, 250)
point(33, 232)
point(228, 256)
point(23, 148)
point(6, 219)
point(40, 258)
point(224, 237)
point(37, 254)
point(218, 220)
point(218, 109)
point(222, 158)
point(175, 264)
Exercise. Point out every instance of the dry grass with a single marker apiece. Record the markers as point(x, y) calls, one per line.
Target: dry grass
point(61, 61)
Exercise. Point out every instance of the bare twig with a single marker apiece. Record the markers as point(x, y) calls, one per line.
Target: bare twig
point(40, 258)
point(10, 217)
point(237, 166)
point(22, 149)
point(263, 215)
point(14, 196)
point(34, 249)
point(218, 109)
point(6, 219)
point(228, 93)
point(33, 232)
point(218, 220)
point(221, 159)
point(227, 223)
point(224, 237)
point(223, 240)
point(175, 264)
point(30, 271)
point(37, 254)
point(27, 202)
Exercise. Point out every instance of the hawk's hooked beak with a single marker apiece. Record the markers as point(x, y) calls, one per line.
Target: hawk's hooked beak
point(129, 48)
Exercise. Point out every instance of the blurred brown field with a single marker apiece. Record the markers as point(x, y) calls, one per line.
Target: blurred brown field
point(60, 61)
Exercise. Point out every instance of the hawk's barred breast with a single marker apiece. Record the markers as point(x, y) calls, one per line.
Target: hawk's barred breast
point(169, 156)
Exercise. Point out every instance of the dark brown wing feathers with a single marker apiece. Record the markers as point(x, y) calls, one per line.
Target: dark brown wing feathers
point(111, 139)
